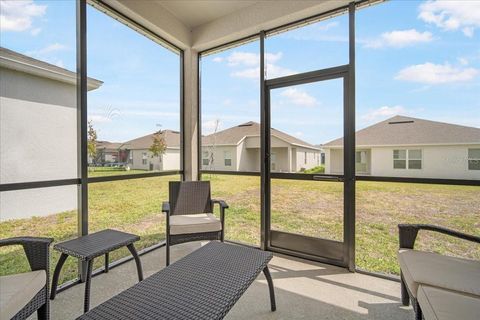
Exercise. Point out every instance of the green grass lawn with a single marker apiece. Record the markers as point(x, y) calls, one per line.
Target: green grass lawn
point(307, 207)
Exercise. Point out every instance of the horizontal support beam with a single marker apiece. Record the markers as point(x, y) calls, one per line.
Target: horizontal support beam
point(133, 176)
point(38, 184)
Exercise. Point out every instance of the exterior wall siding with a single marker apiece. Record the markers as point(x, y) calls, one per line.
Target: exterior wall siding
point(38, 141)
point(170, 160)
point(445, 162)
point(442, 162)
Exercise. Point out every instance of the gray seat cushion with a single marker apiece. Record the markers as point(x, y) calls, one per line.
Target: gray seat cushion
point(456, 274)
point(17, 290)
point(440, 304)
point(194, 223)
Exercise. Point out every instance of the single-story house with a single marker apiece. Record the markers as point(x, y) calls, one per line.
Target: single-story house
point(410, 147)
point(37, 99)
point(109, 153)
point(139, 157)
point(238, 149)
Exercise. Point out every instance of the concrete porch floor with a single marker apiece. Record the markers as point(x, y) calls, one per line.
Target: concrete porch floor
point(304, 290)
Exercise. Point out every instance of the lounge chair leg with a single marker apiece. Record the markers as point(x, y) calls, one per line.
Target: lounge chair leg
point(266, 272)
point(42, 312)
point(418, 312)
point(404, 291)
point(168, 254)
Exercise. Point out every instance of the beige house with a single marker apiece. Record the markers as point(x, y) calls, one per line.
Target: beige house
point(410, 147)
point(238, 149)
point(140, 158)
point(38, 135)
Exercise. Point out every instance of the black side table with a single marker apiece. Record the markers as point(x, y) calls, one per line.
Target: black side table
point(89, 247)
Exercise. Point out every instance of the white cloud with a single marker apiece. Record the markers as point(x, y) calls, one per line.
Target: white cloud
point(399, 39)
point(98, 118)
point(298, 134)
point(273, 71)
point(329, 25)
point(218, 59)
point(463, 61)
point(299, 97)
point(18, 15)
point(250, 73)
point(429, 73)
point(382, 113)
point(36, 31)
point(209, 127)
point(46, 50)
point(243, 58)
point(251, 62)
point(452, 15)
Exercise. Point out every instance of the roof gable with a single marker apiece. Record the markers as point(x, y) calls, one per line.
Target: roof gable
point(233, 135)
point(172, 140)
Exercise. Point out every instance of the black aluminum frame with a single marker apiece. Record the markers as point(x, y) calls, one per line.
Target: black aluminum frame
point(349, 228)
point(82, 125)
point(324, 250)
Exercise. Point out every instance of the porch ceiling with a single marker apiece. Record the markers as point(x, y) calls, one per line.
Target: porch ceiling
point(205, 24)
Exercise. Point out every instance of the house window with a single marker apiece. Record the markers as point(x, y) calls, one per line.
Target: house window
point(361, 161)
point(407, 159)
point(227, 158)
point(273, 162)
point(205, 161)
point(473, 159)
point(144, 158)
point(305, 158)
point(415, 159)
point(399, 159)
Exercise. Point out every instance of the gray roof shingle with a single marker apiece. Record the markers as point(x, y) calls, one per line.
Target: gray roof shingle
point(233, 135)
point(172, 140)
point(402, 130)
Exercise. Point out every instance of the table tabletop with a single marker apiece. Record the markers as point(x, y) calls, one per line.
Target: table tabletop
point(96, 244)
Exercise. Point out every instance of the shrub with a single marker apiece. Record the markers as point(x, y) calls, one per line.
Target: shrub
point(317, 169)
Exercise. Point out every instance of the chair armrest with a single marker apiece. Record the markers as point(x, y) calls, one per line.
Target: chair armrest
point(408, 234)
point(221, 203)
point(36, 249)
point(166, 207)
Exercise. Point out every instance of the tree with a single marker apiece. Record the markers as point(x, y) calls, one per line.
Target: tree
point(92, 142)
point(159, 145)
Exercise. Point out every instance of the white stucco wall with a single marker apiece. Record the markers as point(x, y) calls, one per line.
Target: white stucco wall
point(218, 155)
point(38, 141)
point(447, 162)
point(170, 160)
point(312, 158)
point(443, 162)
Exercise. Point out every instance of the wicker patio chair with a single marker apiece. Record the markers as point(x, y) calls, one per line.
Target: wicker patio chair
point(23, 294)
point(442, 272)
point(189, 214)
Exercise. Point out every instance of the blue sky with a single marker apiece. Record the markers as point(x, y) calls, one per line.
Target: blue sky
point(415, 58)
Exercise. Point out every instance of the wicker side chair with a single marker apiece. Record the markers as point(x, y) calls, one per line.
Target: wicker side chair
point(23, 294)
point(189, 214)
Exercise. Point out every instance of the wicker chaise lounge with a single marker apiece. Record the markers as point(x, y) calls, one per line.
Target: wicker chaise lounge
point(189, 214)
point(23, 294)
point(440, 287)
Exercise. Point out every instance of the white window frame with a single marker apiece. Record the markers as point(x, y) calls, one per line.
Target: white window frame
point(205, 160)
point(144, 158)
point(407, 159)
point(415, 159)
point(273, 161)
point(227, 155)
point(472, 159)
